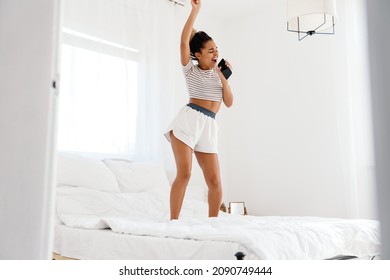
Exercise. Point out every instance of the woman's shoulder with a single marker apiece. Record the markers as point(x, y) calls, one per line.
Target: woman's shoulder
point(189, 67)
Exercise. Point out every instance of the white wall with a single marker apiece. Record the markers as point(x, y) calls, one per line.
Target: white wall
point(27, 121)
point(289, 145)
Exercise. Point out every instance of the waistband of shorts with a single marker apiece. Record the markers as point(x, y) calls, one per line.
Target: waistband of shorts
point(202, 110)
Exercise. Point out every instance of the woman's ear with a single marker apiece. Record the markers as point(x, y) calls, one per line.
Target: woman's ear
point(198, 55)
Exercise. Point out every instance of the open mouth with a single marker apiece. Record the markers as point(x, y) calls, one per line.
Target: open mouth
point(215, 59)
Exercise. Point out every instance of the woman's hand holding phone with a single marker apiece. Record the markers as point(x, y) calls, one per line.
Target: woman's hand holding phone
point(225, 68)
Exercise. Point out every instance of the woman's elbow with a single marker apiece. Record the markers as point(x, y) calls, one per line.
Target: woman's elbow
point(228, 103)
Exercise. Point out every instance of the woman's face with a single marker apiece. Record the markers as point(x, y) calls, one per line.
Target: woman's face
point(208, 56)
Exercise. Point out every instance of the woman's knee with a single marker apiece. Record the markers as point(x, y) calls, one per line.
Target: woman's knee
point(214, 182)
point(183, 175)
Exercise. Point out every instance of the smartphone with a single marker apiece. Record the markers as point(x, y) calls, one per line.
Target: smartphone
point(224, 69)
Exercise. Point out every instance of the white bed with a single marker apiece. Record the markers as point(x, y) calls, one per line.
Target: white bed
point(119, 210)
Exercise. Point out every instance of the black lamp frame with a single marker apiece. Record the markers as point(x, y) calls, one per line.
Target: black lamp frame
point(311, 32)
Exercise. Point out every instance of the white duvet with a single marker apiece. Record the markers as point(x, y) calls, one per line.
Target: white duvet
point(271, 238)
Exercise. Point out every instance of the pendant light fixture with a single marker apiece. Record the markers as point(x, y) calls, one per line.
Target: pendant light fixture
point(309, 17)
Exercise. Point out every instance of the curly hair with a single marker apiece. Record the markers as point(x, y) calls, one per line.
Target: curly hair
point(197, 41)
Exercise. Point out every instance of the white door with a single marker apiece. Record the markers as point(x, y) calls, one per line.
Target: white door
point(28, 55)
point(378, 22)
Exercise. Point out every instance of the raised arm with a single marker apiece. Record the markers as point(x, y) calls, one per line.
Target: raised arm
point(187, 31)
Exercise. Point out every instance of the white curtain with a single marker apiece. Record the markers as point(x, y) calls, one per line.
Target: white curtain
point(362, 160)
point(117, 77)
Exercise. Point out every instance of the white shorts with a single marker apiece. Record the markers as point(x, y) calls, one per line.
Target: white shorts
point(195, 129)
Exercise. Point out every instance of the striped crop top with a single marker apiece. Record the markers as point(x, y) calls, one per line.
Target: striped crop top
point(203, 84)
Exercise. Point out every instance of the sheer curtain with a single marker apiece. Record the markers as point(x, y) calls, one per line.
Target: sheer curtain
point(117, 77)
point(363, 192)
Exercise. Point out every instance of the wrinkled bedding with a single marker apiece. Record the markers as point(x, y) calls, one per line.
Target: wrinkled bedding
point(271, 238)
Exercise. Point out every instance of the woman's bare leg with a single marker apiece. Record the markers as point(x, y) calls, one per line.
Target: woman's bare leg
point(183, 158)
point(209, 164)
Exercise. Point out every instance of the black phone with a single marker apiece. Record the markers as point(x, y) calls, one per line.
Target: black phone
point(224, 69)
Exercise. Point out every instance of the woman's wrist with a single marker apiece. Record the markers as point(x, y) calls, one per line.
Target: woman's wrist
point(195, 10)
point(225, 83)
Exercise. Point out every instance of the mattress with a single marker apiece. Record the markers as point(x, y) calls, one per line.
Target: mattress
point(104, 244)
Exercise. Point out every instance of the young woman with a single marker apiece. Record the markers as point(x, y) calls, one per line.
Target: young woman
point(194, 129)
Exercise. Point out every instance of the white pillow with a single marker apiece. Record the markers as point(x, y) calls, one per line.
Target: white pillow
point(83, 207)
point(80, 171)
point(138, 176)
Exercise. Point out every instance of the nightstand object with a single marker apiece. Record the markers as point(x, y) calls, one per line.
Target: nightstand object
point(237, 208)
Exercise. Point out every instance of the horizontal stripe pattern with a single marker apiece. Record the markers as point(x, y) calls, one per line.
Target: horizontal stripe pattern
point(202, 84)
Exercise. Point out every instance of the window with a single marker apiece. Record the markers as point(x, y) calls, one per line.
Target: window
point(98, 96)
